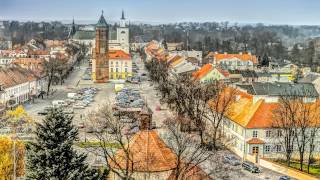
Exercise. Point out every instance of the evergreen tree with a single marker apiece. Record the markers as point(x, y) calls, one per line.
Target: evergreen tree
point(51, 156)
point(265, 61)
point(296, 54)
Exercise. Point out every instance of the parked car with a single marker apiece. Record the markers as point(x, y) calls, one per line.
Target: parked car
point(231, 159)
point(78, 106)
point(42, 113)
point(284, 178)
point(249, 166)
point(68, 111)
point(81, 125)
point(59, 103)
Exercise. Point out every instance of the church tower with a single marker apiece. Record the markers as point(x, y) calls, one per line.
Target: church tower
point(72, 29)
point(101, 63)
point(123, 34)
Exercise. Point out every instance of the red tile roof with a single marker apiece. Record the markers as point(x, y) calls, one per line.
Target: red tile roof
point(38, 52)
point(119, 54)
point(193, 173)
point(148, 154)
point(255, 141)
point(203, 71)
point(13, 76)
point(243, 57)
point(225, 73)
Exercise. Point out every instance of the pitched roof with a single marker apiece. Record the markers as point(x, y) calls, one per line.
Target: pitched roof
point(281, 88)
point(119, 54)
point(148, 154)
point(12, 76)
point(244, 73)
point(83, 34)
point(193, 173)
point(255, 114)
point(203, 71)
point(102, 22)
point(310, 77)
point(38, 52)
point(242, 57)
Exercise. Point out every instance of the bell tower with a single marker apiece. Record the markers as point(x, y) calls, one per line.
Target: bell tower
point(101, 64)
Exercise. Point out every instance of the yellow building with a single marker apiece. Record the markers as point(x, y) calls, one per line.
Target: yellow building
point(120, 65)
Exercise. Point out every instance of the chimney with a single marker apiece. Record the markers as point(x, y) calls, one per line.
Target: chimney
point(145, 119)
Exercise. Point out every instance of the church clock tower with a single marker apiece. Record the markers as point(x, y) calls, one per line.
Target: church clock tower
point(100, 65)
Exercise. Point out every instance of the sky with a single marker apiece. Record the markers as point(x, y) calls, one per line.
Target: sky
point(293, 12)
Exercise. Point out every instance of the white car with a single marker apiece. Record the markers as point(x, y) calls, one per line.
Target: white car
point(78, 106)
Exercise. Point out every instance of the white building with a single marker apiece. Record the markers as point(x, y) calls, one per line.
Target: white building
point(17, 85)
point(250, 127)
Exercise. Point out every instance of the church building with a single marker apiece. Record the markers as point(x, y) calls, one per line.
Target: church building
point(104, 42)
point(118, 36)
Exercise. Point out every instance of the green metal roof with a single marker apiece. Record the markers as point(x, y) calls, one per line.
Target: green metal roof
point(85, 35)
point(102, 22)
point(82, 35)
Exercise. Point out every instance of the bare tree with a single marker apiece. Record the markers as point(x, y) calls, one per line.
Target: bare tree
point(52, 67)
point(285, 122)
point(218, 109)
point(108, 129)
point(190, 152)
point(296, 118)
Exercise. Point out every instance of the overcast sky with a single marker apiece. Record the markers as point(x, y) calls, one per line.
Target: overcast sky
point(294, 12)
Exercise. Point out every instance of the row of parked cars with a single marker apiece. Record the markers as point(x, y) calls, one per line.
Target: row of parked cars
point(75, 100)
point(129, 98)
point(249, 166)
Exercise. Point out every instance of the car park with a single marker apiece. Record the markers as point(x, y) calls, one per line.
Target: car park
point(249, 166)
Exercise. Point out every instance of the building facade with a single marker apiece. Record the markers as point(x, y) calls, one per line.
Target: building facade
point(120, 65)
point(100, 64)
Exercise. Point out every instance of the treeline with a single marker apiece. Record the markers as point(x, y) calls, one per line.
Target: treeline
point(273, 41)
point(20, 33)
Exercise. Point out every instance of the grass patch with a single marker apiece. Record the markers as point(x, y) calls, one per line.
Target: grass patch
point(314, 169)
point(92, 144)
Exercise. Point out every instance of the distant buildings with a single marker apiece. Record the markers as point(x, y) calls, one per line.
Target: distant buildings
point(232, 61)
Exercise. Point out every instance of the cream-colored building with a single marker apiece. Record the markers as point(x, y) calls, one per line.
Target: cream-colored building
point(120, 65)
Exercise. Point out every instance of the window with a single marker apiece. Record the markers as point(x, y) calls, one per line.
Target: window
point(254, 134)
point(279, 133)
point(267, 148)
point(111, 70)
point(268, 133)
point(116, 69)
point(278, 148)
